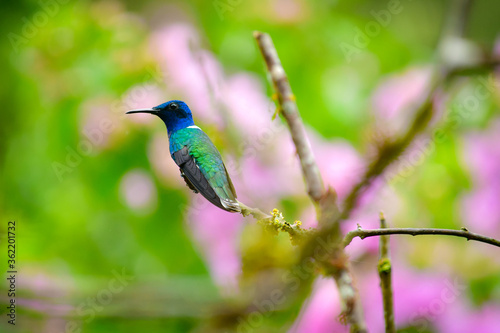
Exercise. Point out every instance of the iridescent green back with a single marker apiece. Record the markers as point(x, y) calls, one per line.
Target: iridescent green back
point(207, 158)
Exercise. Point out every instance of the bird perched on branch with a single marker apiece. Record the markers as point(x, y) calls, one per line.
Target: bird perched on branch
point(199, 160)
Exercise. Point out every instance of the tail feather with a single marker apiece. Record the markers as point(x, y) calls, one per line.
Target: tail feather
point(231, 206)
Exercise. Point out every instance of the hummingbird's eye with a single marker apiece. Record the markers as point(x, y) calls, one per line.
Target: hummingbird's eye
point(173, 106)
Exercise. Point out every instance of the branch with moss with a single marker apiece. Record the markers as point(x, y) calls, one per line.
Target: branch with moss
point(337, 264)
point(464, 233)
point(329, 236)
point(276, 223)
point(255, 212)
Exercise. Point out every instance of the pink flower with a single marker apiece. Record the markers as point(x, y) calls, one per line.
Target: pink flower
point(249, 109)
point(191, 72)
point(393, 97)
point(99, 125)
point(138, 191)
point(482, 154)
point(481, 209)
point(266, 183)
point(289, 10)
point(339, 163)
point(462, 318)
point(321, 311)
point(481, 206)
point(421, 299)
point(162, 163)
point(217, 233)
point(141, 96)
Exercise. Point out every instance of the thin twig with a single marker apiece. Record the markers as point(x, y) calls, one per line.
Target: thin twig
point(384, 240)
point(485, 67)
point(385, 273)
point(288, 106)
point(276, 222)
point(363, 233)
point(255, 212)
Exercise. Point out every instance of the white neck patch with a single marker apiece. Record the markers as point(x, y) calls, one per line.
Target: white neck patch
point(194, 126)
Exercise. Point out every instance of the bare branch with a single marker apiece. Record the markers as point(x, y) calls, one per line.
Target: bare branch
point(362, 233)
point(385, 274)
point(337, 264)
point(288, 106)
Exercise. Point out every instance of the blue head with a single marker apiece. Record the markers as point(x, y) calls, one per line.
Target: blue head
point(175, 114)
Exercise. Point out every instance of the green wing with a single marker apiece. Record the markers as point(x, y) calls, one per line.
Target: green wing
point(209, 161)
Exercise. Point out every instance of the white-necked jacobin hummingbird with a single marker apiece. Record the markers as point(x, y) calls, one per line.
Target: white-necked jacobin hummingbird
point(199, 160)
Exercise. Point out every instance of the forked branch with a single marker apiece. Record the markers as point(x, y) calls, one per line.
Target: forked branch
point(337, 265)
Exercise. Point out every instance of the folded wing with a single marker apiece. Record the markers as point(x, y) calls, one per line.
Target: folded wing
point(215, 189)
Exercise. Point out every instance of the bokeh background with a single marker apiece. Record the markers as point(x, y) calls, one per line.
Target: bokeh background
point(109, 239)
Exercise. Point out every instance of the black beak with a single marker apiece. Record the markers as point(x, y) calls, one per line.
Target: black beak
point(152, 111)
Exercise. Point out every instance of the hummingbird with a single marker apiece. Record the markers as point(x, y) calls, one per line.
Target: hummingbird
point(198, 159)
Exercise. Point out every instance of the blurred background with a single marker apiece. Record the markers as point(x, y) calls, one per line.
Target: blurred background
point(109, 238)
